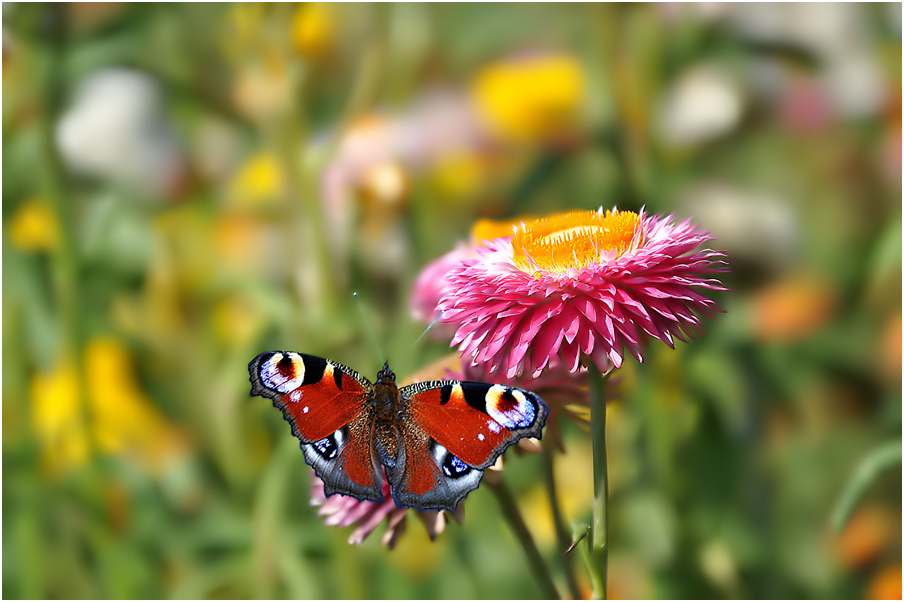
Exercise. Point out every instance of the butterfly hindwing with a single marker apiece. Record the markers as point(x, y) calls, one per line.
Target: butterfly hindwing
point(327, 406)
point(427, 476)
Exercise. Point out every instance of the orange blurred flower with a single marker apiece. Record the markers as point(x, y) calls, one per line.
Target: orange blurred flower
point(793, 308)
point(890, 348)
point(864, 537)
point(886, 584)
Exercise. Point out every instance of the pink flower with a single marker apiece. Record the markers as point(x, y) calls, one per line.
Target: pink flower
point(344, 511)
point(581, 284)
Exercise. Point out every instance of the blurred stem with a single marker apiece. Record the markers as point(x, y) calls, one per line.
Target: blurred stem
point(287, 133)
point(561, 534)
point(627, 135)
point(519, 528)
point(303, 182)
point(48, 22)
point(599, 542)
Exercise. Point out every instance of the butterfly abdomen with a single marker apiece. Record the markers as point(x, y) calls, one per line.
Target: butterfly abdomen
point(387, 406)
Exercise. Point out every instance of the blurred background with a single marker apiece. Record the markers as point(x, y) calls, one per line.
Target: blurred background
point(188, 185)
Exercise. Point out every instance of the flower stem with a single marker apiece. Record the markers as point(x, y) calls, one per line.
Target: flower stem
point(599, 543)
point(562, 535)
point(49, 22)
point(519, 528)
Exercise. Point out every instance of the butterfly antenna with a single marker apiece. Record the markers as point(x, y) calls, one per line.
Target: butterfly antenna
point(426, 330)
point(369, 329)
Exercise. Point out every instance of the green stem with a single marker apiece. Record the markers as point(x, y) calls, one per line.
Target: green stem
point(599, 542)
point(48, 22)
point(562, 535)
point(516, 522)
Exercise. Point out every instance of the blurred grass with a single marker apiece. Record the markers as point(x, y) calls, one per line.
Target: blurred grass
point(270, 164)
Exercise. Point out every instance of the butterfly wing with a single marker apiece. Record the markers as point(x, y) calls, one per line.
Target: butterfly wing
point(451, 432)
point(327, 406)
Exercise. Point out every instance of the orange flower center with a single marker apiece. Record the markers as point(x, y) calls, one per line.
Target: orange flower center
point(573, 240)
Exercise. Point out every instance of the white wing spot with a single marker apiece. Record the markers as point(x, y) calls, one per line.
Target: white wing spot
point(296, 396)
point(305, 409)
point(480, 436)
point(494, 426)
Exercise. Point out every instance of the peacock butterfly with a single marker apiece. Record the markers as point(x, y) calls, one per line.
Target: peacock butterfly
point(432, 439)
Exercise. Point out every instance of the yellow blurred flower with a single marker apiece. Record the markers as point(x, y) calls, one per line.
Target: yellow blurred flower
point(384, 184)
point(57, 418)
point(34, 227)
point(313, 28)
point(258, 181)
point(530, 97)
point(262, 88)
point(460, 173)
point(122, 419)
point(236, 321)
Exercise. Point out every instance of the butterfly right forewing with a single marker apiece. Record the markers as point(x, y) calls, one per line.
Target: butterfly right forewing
point(453, 431)
point(327, 406)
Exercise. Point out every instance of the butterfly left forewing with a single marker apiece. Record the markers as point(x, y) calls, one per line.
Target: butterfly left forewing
point(452, 431)
point(327, 406)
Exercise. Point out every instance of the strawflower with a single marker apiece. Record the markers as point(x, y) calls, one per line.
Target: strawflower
point(582, 284)
point(430, 285)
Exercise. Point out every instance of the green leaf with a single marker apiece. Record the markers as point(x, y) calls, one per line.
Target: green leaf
point(869, 469)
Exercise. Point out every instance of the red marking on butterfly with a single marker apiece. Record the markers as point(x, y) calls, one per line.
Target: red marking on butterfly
point(433, 440)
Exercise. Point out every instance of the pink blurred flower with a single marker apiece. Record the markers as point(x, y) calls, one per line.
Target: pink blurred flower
point(581, 283)
point(427, 289)
point(344, 511)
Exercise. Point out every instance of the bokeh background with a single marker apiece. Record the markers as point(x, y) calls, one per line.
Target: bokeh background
point(187, 185)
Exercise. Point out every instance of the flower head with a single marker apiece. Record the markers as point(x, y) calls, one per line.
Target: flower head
point(589, 283)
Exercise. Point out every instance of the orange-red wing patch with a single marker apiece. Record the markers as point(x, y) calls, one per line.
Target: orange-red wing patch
point(476, 422)
point(316, 396)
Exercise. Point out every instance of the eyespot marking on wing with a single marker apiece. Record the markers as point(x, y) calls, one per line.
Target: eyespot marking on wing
point(283, 372)
point(510, 407)
point(451, 465)
point(328, 447)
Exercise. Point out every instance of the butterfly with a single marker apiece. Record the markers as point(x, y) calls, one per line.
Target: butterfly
point(432, 440)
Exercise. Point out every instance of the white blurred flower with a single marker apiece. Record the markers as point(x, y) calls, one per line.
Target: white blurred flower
point(753, 228)
point(701, 106)
point(115, 130)
point(836, 34)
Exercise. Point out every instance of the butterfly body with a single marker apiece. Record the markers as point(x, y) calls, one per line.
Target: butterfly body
point(432, 440)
